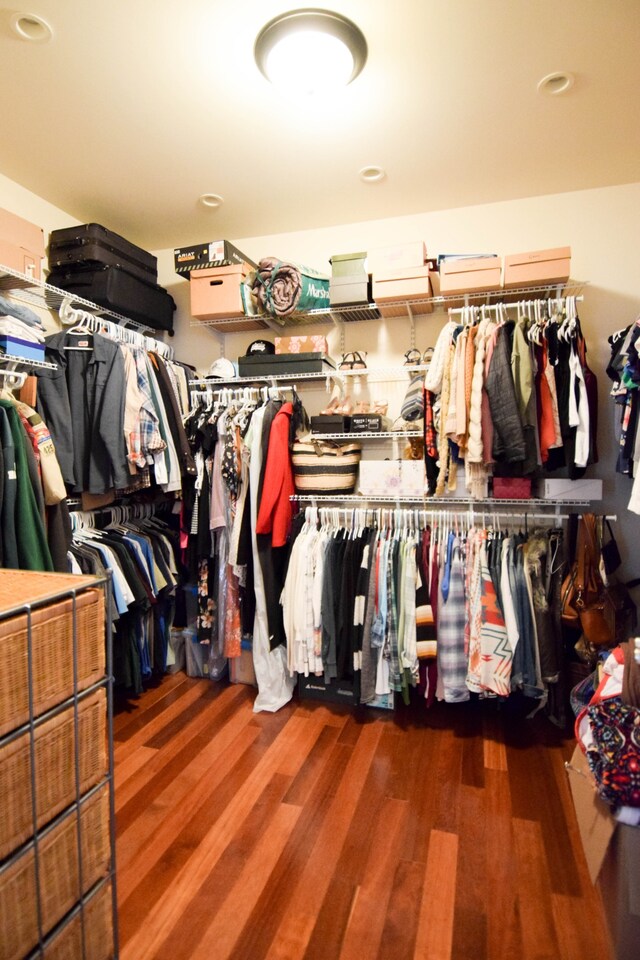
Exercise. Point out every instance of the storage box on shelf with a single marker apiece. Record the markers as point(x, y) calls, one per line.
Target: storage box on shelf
point(21, 244)
point(536, 267)
point(350, 283)
point(215, 295)
point(275, 365)
point(215, 253)
point(470, 274)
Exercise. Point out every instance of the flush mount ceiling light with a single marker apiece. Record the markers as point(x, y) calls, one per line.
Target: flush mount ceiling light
point(211, 200)
point(29, 26)
point(372, 174)
point(556, 83)
point(310, 50)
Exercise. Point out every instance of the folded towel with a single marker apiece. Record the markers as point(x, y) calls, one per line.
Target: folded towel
point(20, 311)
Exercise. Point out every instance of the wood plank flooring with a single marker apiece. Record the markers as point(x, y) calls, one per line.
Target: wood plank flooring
point(329, 834)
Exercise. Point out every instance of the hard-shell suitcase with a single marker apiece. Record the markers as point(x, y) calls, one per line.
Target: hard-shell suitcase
point(90, 244)
point(119, 291)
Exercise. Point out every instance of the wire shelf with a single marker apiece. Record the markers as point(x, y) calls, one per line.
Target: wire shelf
point(25, 362)
point(381, 373)
point(43, 295)
point(491, 502)
point(379, 435)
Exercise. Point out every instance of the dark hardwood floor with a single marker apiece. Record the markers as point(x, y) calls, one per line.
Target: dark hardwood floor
point(323, 833)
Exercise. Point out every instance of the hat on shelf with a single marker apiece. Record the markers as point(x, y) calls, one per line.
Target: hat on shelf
point(260, 348)
point(223, 369)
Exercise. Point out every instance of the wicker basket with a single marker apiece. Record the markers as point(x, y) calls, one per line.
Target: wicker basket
point(18, 587)
point(52, 651)
point(59, 881)
point(55, 774)
point(98, 932)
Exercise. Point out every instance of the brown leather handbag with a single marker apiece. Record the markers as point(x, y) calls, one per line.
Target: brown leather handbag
point(585, 600)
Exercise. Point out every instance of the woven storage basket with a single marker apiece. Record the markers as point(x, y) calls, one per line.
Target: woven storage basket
point(98, 932)
point(54, 769)
point(52, 652)
point(18, 587)
point(59, 881)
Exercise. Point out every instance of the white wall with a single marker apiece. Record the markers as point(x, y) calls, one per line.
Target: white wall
point(599, 225)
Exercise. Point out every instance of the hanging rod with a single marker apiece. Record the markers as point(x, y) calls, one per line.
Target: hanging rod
point(508, 305)
point(441, 502)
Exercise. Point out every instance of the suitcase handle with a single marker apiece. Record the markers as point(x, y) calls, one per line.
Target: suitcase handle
point(215, 283)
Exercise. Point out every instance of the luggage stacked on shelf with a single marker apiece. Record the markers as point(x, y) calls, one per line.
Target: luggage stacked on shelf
point(99, 265)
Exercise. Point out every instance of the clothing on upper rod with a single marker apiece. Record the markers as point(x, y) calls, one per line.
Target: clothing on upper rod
point(623, 369)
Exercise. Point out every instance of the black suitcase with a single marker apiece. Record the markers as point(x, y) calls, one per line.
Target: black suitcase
point(93, 245)
point(119, 291)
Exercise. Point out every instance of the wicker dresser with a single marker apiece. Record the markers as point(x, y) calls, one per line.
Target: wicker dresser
point(57, 870)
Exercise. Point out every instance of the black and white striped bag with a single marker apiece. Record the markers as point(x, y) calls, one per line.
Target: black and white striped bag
point(325, 467)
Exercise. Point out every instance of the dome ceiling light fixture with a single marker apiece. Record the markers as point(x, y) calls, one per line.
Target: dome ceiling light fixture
point(29, 26)
point(310, 51)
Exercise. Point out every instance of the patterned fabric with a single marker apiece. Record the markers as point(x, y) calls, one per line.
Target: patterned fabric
point(614, 757)
point(452, 616)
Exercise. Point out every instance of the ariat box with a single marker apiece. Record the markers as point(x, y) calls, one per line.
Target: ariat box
point(215, 295)
point(216, 253)
point(21, 245)
point(470, 274)
point(537, 267)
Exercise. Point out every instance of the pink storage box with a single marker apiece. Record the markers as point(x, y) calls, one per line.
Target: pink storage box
point(512, 488)
point(21, 244)
point(383, 261)
point(305, 344)
point(537, 267)
point(470, 274)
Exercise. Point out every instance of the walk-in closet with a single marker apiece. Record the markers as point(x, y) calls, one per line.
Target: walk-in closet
point(319, 495)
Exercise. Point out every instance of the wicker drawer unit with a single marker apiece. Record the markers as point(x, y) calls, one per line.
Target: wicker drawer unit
point(58, 888)
point(98, 932)
point(52, 656)
point(55, 774)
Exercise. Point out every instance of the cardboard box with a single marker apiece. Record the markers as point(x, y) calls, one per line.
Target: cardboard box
point(392, 478)
point(241, 668)
point(512, 488)
point(306, 344)
point(470, 275)
point(557, 489)
point(277, 364)
point(349, 265)
point(215, 293)
point(205, 255)
point(594, 819)
point(349, 291)
point(537, 267)
point(27, 349)
point(398, 256)
point(333, 691)
point(21, 245)
point(408, 284)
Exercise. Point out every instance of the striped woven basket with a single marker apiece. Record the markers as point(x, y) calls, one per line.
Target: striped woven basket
point(325, 467)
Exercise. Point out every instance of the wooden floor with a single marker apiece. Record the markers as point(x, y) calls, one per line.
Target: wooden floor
point(320, 833)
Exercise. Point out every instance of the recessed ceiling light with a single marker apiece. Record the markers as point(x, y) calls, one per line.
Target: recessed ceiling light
point(372, 174)
point(556, 83)
point(29, 26)
point(211, 200)
point(310, 51)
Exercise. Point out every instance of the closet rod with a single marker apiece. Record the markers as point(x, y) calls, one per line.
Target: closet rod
point(495, 307)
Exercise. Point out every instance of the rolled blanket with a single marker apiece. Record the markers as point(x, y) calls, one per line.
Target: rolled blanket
point(281, 288)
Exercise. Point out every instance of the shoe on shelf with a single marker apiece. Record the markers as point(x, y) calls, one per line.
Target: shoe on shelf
point(363, 406)
point(380, 407)
point(345, 409)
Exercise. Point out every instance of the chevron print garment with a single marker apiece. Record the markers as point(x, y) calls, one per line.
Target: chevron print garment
point(490, 654)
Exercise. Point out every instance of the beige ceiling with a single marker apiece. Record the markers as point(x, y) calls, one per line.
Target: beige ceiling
point(137, 107)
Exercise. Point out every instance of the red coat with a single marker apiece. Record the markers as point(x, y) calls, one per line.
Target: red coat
point(274, 511)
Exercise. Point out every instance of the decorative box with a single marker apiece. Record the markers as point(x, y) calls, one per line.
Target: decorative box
point(392, 478)
point(215, 295)
point(203, 255)
point(558, 489)
point(306, 344)
point(512, 488)
point(330, 423)
point(366, 423)
point(21, 244)
point(383, 261)
point(27, 349)
point(470, 274)
point(537, 267)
